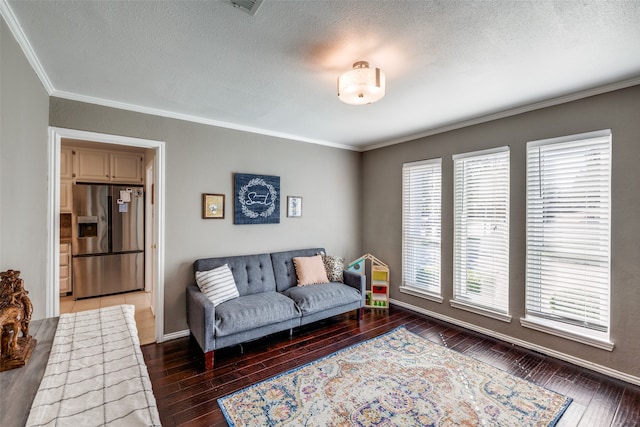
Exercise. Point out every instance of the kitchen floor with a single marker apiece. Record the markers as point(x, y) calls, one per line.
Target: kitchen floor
point(145, 320)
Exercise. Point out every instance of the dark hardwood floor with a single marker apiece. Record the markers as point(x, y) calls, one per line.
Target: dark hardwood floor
point(186, 394)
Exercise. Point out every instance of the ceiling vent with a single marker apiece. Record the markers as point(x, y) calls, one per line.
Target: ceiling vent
point(248, 6)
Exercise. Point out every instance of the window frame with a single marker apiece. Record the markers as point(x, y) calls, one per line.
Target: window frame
point(410, 286)
point(461, 233)
point(543, 322)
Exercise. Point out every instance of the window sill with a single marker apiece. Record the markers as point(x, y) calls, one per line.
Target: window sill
point(420, 293)
point(549, 327)
point(481, 311)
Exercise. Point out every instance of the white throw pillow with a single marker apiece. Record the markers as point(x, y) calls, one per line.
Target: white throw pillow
point(217, 284)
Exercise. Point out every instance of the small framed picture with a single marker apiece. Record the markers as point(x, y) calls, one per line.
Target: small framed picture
point(212, 206)
point(294, 206)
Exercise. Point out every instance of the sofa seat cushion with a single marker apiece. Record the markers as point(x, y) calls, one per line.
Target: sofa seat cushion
point(315, 298)
point(253, 311)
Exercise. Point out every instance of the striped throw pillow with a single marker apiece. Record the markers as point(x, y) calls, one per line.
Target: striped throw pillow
point(217, 284)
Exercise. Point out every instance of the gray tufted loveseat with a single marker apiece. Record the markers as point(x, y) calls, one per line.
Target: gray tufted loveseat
point(270, 300)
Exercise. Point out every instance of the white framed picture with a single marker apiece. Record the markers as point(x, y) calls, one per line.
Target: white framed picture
point(294, 206)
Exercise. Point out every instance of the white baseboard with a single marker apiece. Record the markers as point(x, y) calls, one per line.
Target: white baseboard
point(175, 335)
point(549, 352)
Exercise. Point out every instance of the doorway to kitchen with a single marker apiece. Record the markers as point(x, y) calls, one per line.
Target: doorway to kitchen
point(141, 300)
point(151, 300)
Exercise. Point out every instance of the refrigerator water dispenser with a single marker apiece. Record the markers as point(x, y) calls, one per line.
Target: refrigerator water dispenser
point(87, 226)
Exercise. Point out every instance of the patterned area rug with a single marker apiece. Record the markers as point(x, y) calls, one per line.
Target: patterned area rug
point(397, 379)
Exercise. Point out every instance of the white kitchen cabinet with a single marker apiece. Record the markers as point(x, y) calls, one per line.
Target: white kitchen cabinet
point(65, 268)
point(66, 197)
point(66, 163)
point(126, 168)
point(90, 165)
point(66, 177)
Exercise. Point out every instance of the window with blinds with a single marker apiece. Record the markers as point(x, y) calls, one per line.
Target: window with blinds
point(481, 232)
point(568, 233)
point(421, 214)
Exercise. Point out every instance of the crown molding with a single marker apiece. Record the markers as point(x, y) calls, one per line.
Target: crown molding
point(511, 112)
point(23, 42)
point(196, 119)
point(453, 126)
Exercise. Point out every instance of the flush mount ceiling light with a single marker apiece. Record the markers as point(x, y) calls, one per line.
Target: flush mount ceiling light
point(362, 85)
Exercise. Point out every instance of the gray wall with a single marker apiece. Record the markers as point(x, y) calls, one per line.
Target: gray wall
point(24, 113)
point(201, 159)
point(382, 207)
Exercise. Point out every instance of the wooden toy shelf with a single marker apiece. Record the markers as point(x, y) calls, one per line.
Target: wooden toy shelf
point(378, 286)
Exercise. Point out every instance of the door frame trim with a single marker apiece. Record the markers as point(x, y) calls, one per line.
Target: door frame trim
point(56, 135)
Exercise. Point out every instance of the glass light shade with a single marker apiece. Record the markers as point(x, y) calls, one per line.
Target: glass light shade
point(362, 85)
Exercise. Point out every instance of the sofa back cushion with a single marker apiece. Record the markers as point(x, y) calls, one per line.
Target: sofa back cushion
point(283, 268)
point(253, 273)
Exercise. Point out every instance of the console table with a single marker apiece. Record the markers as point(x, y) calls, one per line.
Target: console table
point(19, 386)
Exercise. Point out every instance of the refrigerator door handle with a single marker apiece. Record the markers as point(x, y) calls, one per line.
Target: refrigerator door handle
point(110, 223)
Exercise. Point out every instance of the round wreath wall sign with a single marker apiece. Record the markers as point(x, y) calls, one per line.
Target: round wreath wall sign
point(257, 199)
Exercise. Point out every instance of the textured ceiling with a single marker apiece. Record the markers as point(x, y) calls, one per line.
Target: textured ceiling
point(446, 62)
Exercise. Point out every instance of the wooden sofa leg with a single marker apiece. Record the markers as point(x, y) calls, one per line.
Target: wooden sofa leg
point(360, 312)
point(208, 360)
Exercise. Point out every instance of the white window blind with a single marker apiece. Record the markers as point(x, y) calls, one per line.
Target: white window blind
point(568, 233)
point(481, 231)
point(421, 214)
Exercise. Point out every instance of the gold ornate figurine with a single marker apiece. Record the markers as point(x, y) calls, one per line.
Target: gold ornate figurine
point(16, 309)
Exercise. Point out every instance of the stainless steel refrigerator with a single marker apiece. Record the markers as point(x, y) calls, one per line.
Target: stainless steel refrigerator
point(107, 239)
